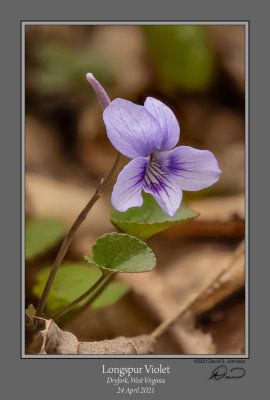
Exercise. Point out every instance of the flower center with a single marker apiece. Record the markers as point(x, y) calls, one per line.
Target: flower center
point(155, 175)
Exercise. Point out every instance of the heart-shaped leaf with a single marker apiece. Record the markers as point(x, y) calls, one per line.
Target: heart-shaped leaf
point(72, 280)
point(122, 253)
point(149, 219)
point(41, 234)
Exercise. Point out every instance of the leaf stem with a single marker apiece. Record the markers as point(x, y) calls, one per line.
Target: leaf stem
point(97, 293)
point(105, 275)
point(69, 236)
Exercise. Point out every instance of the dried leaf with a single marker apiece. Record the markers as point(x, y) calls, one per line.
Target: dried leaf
point(30, 311)
point(193, 338)
point(197, 266)
point(33, 326)
point(137, 345)
point(125, 47)
point(49, 196)
point(230, 317)
point(229, 282)
point(56, 341)
point(153, 292)
point(219, 217)
point(230, 46)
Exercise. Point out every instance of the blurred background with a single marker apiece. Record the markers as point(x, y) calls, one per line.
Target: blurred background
point(199, 72)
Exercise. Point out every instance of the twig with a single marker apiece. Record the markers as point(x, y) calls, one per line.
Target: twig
point(69, 307)
point(194, 297)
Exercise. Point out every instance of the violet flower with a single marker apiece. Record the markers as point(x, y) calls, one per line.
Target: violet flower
point(146, 134)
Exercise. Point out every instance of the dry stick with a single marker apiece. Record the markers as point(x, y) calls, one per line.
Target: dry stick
point(68, 238)
point(193, 298)
point(82, 297)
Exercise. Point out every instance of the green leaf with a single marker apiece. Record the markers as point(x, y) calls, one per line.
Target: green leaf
point(182, 54)
point(111, 294)
point(41, 235)
point(122, 253)
point(149, 219)
point(72, 280)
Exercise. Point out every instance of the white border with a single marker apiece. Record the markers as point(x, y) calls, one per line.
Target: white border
point(161, 356)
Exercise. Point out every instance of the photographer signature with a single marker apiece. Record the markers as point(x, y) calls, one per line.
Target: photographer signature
point(223, 372)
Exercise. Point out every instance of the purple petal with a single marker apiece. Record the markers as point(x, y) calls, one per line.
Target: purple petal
point(132, 129)
point(100, 91)
point(127, 191)
point(195, 169)
point(167, 121)
point(163, 186)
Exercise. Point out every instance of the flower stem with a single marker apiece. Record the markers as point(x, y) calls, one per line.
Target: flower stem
point(69, 307)
point(69, 236)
